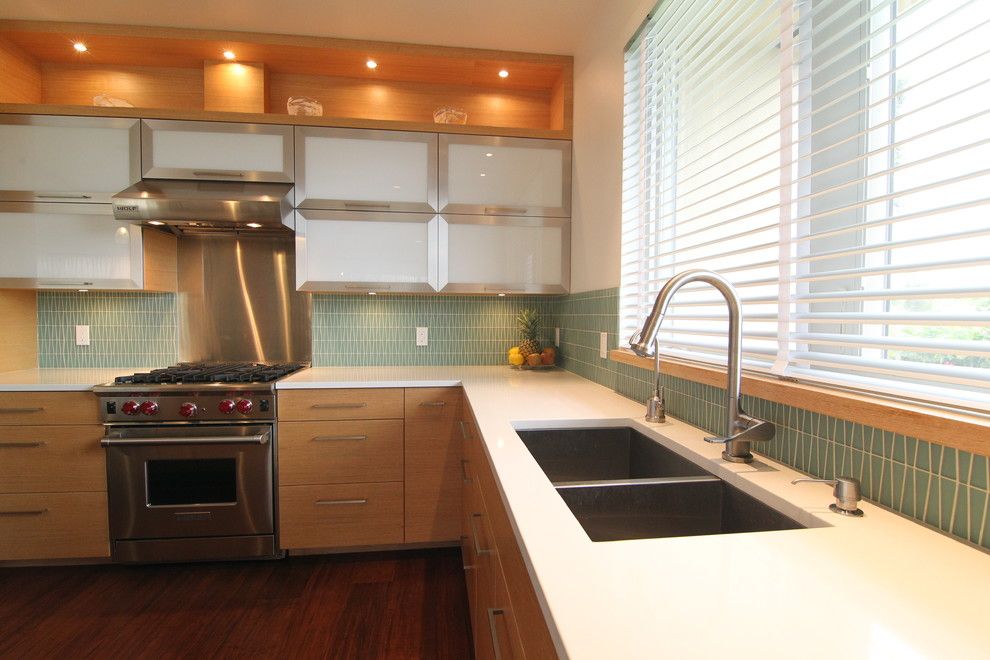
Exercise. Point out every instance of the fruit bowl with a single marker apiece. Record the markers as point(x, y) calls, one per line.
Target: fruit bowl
point(526, 367)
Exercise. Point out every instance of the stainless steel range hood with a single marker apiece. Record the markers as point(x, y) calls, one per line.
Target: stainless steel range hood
point(208, 207)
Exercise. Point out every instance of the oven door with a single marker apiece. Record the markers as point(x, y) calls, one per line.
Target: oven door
point(185, 482)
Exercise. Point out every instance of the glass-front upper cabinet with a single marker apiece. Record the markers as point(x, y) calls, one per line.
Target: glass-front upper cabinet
point(365, 170)
point(215, 151)
point(489, 254)
point(366, 251)
point(505, 176)
point(67, 159)
point(70, 246)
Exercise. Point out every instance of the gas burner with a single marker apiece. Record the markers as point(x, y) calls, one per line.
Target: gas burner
point(212, 372)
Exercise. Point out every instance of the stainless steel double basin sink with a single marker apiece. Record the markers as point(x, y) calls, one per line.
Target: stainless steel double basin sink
point(620, 484)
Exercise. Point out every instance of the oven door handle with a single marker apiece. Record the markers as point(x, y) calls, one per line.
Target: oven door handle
point(260, 439)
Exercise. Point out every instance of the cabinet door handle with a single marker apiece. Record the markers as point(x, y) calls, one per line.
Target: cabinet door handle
point(366, 205)
point(492, 613)
point(464, 433)
point(331, 438)
point(64, 196)
point(433, 404)
point(14, 411)
point(478, 550)
point(333, 502)
point(337, 406)
point(367, 287)
point(464, 474)
point(506, 209)
point(24, 512)
point(22, 445)
point(217, 173)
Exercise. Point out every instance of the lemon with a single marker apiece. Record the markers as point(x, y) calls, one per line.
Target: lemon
point(514, 350)
point(516, 359)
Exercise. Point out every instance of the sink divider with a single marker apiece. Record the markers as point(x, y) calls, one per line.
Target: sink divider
point(563, 485)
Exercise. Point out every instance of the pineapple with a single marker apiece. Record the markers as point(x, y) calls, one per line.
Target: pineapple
point(528, 322)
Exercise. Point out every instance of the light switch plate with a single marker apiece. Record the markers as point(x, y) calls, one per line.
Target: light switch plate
point(603, 345)
point(422, 336)
point(82, 335)
point(556, 337)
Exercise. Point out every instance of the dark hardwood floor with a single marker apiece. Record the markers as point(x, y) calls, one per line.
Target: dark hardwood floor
point(409, 604)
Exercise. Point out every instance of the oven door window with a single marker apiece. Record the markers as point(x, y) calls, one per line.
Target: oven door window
point(183, 482)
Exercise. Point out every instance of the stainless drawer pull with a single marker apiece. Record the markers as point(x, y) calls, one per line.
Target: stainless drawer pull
point(474, 537)
point(331, 502)
point(492, 613)
point(507, 289)
point(24, 512)
point(337, 406)
point(366, 205)
point(194, 515)
point(22, 445)
point(64, 196)
point(506, 209)
point(464, 474)
point(330, 438)
point(216, 173)
point(464, 433)
point(14, 411)
point(367, 287)
point(260, 439)
point(433, 404)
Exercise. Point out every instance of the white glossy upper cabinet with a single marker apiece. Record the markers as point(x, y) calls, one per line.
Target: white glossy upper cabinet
point(505, 176)
point(68, 246)
point(366, 251)
point(354, 169)
point(214, 151)
point(488, 254)
point(67, 159)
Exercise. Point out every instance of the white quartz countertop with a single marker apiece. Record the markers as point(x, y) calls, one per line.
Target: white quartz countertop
point(879, 586)
point(60, 380)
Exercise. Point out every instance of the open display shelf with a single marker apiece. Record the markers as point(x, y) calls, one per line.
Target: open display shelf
point(182, 74)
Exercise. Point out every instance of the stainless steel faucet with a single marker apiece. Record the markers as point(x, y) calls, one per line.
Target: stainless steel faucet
point(741, 430)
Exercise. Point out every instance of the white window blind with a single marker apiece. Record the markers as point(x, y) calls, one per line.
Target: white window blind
point(831, 158)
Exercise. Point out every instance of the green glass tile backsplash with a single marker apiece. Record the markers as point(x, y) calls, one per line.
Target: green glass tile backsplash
point(125, 329)
point(940, 486)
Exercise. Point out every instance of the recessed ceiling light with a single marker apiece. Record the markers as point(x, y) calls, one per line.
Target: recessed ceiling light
point(503, 74)
point(229, 55)
point(253, 225)
point(80, 47)
point(155, 222)
point(489, 154)
point(371, 64)
point(483, 174)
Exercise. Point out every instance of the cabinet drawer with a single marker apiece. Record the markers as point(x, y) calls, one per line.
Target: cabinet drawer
point(48, 408)
point(53, 526)
point(439, 404)
point(340, 515)
point(44, 459)
point(339, 452)
point(340, 404)
point(506, 640)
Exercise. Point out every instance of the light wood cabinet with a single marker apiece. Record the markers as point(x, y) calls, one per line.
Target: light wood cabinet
point(339, 451)
point(433, 473)
point(507, 620)
point(53, 501)
point(331, 404)
point(340, 515)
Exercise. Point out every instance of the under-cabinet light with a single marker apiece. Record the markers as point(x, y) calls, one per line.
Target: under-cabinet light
point(253, 225)
point(229, 55)
point(156, 223)
point(503, 73)
point(371, 64)
point(80, 47)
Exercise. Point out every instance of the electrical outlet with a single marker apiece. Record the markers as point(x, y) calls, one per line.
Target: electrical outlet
point(603, 345)
point(422, 336)
point(82, 335)
point(556, 337)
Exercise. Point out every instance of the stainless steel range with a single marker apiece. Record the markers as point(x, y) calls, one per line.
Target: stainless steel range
point(191, 457)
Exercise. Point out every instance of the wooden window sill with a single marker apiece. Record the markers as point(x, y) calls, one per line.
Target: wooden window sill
point(967, 432)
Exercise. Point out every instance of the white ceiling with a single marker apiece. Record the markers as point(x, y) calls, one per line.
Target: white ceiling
point(543, 26)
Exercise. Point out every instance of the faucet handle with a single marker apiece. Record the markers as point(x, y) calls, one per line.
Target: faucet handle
point(753, 430)
point(847, 492)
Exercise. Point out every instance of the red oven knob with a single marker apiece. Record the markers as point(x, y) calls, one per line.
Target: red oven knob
point(244, 406)
point(130, 408)
point(188, 409)
point(149, 408)
point(226, 406)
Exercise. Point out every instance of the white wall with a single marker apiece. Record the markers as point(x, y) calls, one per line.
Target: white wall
point(597, 197)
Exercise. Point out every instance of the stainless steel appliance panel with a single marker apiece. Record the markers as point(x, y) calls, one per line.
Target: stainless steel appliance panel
point(238, 301)
point(182, 481)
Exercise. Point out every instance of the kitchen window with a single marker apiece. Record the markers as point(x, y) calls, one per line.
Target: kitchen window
point(831, 159)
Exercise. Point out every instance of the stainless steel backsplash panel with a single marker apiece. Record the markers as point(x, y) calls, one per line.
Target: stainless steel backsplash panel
point(238, 300)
